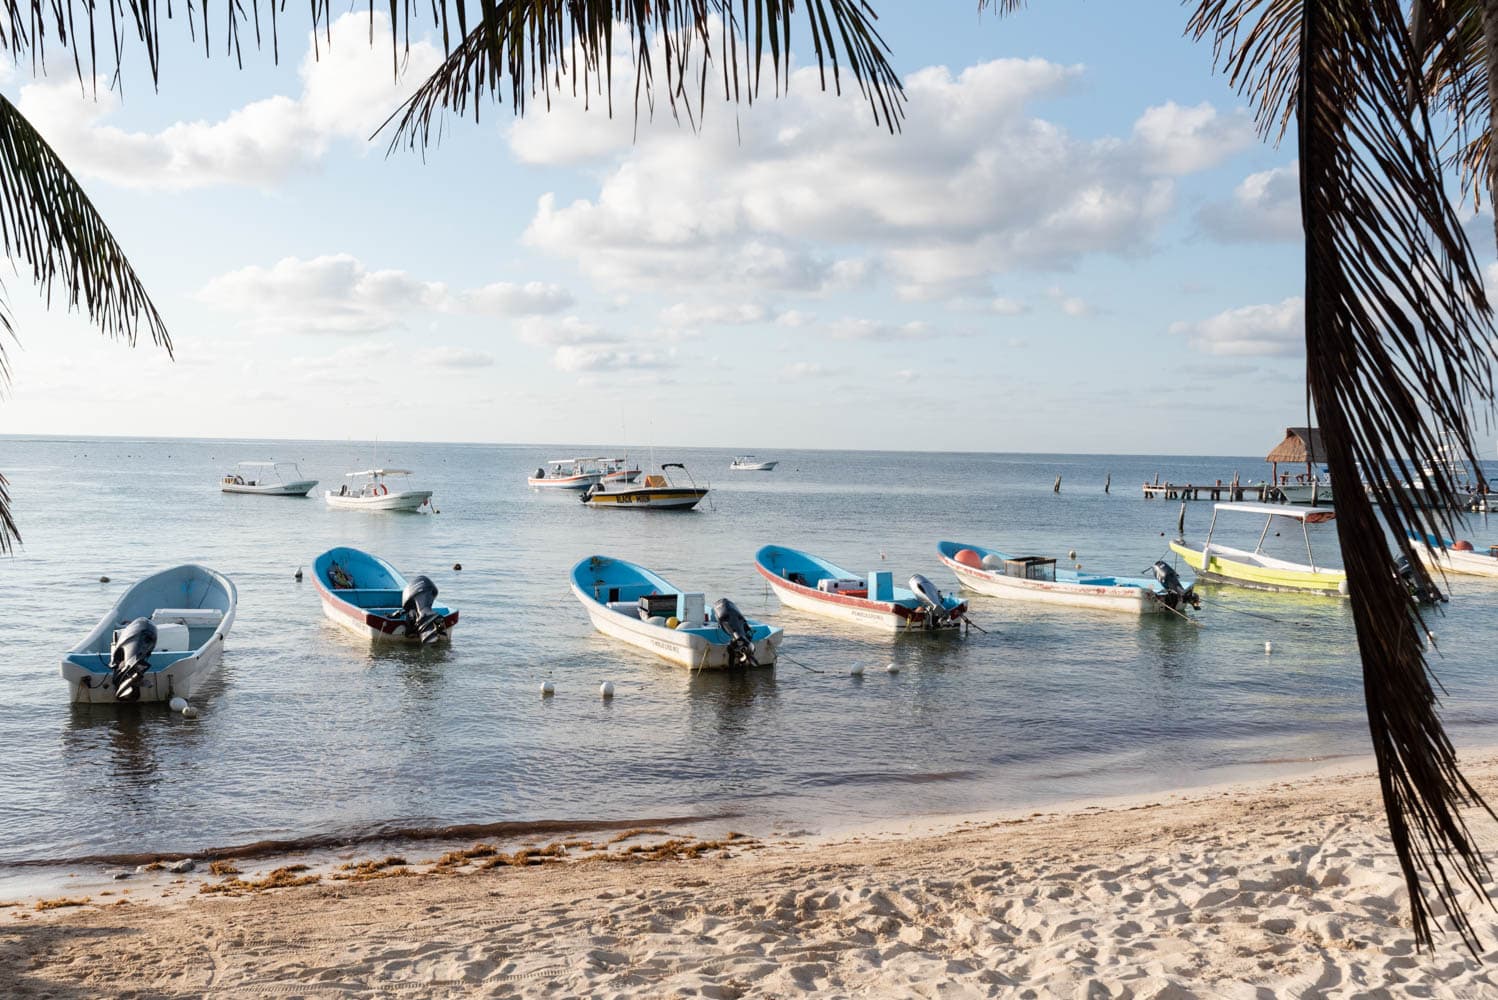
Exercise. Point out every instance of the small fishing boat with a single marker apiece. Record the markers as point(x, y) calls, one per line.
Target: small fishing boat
point(632, 604)
point(376, 494)
point(568, 474)
point(1315, 491)
point(368, 596)
point(748, 463)
point(272, 479)
point(1222, 564)
point(809, 583)
point(1036, 578)
point(1460, 556)
point(619, 470)
point(158, 641)
point(655, 492)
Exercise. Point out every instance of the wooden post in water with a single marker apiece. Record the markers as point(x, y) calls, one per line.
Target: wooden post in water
point(1107, 482)
point(1057, 487)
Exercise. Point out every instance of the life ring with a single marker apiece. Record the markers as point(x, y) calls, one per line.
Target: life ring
point(381, 489)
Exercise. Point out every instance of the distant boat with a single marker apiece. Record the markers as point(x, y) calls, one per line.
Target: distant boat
point(748, 463)
point(619, 470)
point(1221, 564)
point(275, 479)
point(1458, 557)
point(158, 641)
point(809, 583)
point(366, 595)
point(1316, 492)
point(568, 474)
point(376, 493)
point(1036, 579)
point(655, 492)
point(632, 604)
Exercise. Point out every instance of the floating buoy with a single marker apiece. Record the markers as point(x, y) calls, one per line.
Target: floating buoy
point(673, 622)
point(1079, 565)
point(189, 712)
point(547, 689)
point(856, 670)
point(457, 567)
point(177, 704)
point(103, 579)
point(1072, 554)
point(1268, 647)
point(298, 576)
point(892, 668)
point(1461, 546)
point(969, 558)
point(606, 689)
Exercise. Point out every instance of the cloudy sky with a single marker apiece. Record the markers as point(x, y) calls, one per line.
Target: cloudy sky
point(1076, 243)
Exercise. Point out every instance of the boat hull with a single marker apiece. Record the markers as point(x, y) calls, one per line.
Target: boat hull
point(1317, 496)
point(1127, 600)
point(1474, 563)
point(394, 500)
point(905, 614)
point(647, 498)
point(1221, 567)
point(681, 648)
point(377, 582)
point(298, 489)
point(86, 668)
point(563, 482)
point(754, 466)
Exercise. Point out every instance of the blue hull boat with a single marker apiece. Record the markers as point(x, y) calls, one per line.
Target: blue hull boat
point(369, 597)
point(632, 604)
point(810, 583)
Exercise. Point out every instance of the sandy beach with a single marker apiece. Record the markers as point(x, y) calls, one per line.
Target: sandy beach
point(1282, 888)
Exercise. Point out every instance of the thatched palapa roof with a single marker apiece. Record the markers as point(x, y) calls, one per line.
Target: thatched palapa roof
point(1301, 445)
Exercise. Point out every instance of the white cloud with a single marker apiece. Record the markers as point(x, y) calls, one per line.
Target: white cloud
point(1182, 140)
point(600, 358)
point(808, 369)
point(685, 315)
point(1270, 330)
point(1007, 307)
point(1071, 305)
point(457, 357)
point(1264, 207)
point(346, 95)
point(567, 330)
point(772, 199)
point(871, 329)
point(505, 299)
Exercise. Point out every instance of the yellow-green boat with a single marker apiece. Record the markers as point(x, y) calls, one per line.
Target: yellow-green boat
point(1221, 564)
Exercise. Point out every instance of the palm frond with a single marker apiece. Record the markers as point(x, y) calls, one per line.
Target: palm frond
point(1397, 328)
point(9, 533)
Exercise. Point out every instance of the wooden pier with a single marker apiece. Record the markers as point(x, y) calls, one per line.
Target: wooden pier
point(1218, 491)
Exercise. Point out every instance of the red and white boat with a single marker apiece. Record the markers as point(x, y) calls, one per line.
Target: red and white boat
point(809, 583)
point(366, 595)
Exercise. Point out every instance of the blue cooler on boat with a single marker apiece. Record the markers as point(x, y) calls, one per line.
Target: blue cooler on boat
point(881, 585)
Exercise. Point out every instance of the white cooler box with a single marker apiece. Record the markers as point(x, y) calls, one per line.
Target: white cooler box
point(838, 586)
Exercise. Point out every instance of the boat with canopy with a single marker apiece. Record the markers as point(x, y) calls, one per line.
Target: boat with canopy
point(1254, 568)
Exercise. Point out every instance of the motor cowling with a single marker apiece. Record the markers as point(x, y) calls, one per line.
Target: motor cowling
point(421, 620)
point(925, 591)
point(1422, 588)
point(1176, 592)
point(741, 636)
point(130, 658)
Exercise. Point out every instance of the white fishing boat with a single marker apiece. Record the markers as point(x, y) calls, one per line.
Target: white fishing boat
point(371, 598)
point(570, 474)
point(748, 463)
point(1036, 579)
point(810, 583)
point(158, 641)
point(272, 479)
point(1460, 556)
point(376, 494)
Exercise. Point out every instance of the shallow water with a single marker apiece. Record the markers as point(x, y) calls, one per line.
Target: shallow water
point(306, 730)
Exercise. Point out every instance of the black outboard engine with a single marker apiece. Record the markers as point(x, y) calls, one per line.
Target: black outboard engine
point(741, 643)
point(421, 620)
point(1176, 592)
point(540, 472)
point(1422, 587)
point(926, 592)
point(131, 658)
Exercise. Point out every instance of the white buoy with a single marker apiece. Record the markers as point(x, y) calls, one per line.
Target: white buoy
point(177, 704)
point(547, 689)
point(892, 667)
point(188, 712)
point(1072, 554)
point(1268, 647)
point(856, 670)
point(606, 689)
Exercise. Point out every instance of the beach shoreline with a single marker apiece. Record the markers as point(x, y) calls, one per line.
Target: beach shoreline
point(1286, 884)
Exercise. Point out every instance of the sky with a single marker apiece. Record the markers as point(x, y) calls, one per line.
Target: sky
point(1077, 242)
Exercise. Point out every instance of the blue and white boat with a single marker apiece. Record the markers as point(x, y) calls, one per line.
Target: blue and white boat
point(632, 604)
point(809, 583)
point(1036, 578)
point(158, 641)
point(369, 597)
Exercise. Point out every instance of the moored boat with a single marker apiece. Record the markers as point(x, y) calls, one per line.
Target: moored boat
point(748, 463)
point(376, 494)
point(810, 583)
point(1458, 556)
point(655, 492)
point(567, 474)
point(619, 470)
point(630, 603)
point(158, 641)
point(274, 479)
point(369, 597)
point(1244, 568)
point(1036, 578)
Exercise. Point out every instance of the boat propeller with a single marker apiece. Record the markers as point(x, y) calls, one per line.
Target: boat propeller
point(926, 592)
point(741, 637)
point(416, 602)
point(131, 658)
point(1176, 594)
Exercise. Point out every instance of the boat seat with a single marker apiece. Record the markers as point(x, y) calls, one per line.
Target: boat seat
point(655, 481)
point(191, 617)
point(624, 607)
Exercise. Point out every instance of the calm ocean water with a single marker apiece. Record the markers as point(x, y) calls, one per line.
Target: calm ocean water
point(306, 730)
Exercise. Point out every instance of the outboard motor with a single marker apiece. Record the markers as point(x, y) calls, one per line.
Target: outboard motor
point(1422, 587)
point(1176, 592)
point(741, 641)
point(416, 602)
point(131, 658)
point(926, 592)
point(540, 472)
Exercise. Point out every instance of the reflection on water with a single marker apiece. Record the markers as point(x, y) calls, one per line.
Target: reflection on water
point(306, 729)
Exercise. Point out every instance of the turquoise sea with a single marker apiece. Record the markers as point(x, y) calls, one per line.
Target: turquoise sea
point(307, 731)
